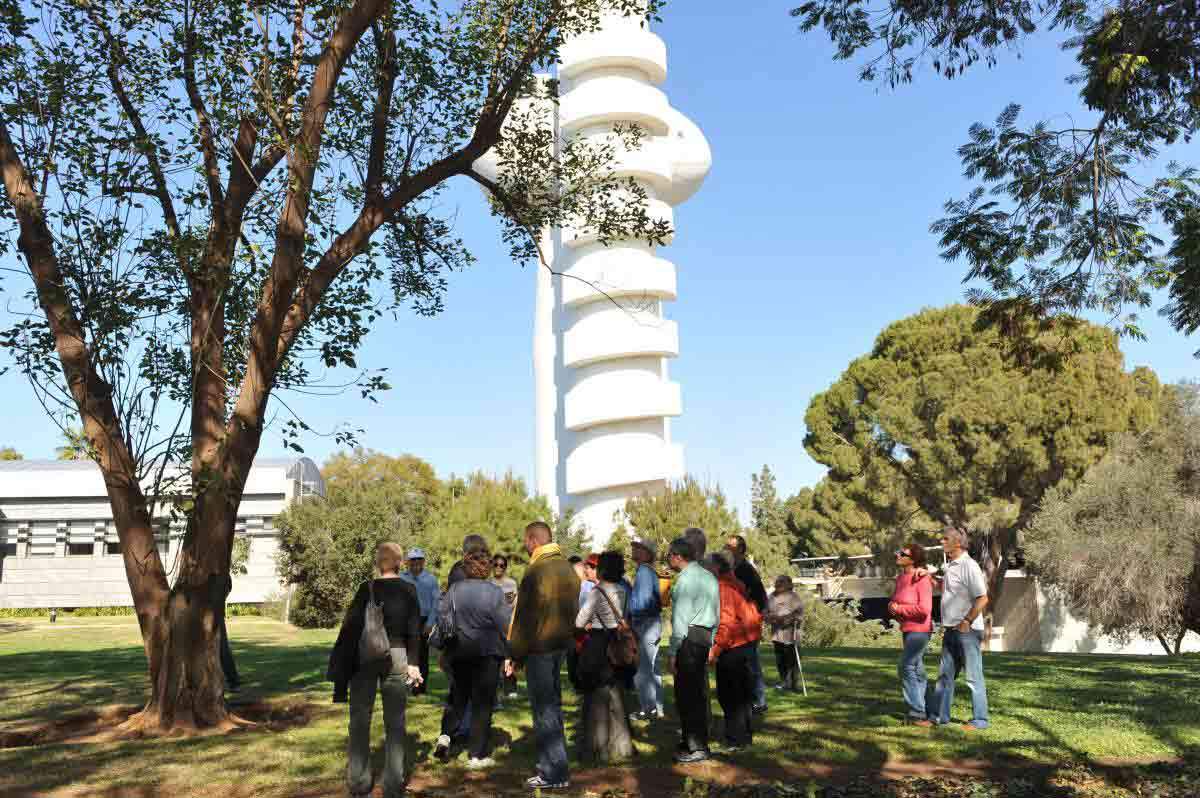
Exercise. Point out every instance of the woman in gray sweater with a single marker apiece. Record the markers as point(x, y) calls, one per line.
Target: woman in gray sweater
point(476, 608)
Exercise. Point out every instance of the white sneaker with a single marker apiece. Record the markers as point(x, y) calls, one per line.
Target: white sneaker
point(480, 764)
point(442, 749)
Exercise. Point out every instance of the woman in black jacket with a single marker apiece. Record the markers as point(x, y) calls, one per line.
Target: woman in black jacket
point(476, 609)
point(402, 618)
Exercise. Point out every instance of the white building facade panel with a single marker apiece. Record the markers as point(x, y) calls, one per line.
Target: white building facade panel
point(61, 549)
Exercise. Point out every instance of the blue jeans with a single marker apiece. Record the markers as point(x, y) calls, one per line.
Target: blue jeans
point(648, 681)
point(545, 699)
point(758, 684)
point(961, 652)
point(912, 673)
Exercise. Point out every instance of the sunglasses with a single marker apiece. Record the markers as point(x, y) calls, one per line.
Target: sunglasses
point(903, 553)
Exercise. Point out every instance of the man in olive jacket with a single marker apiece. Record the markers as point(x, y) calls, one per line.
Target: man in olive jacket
point(543, 627)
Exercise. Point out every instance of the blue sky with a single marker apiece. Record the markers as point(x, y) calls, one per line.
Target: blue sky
point(809, 236)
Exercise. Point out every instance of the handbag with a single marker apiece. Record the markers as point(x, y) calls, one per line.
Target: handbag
point(374, 648)
point(445, 633)
point(622, 645)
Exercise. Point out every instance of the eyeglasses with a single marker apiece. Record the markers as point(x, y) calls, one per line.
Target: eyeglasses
point(499, 564)
point(903, 553)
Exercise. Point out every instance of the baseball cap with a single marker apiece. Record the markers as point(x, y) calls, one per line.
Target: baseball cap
point(416, 554)
point(593, 560)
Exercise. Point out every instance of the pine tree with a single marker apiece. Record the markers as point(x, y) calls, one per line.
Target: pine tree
point(770, 541)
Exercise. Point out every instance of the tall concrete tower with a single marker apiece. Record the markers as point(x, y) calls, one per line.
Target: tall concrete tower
point(603, 400)
point(602, 339)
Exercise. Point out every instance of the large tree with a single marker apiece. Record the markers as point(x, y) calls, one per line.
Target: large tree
point(1123, 546)
point(213, 201)
point(327, 546)
point(770, 541)
point(939, 424)
point(1065, 216)
point(663, 516)
point(499, 508)
point(827, 523)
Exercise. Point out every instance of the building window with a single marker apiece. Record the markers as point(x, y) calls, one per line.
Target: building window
point(80, 549)
point(112, 548)
point(8, 550)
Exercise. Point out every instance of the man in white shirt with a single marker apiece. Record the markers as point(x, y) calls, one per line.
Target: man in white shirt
point(964, 598)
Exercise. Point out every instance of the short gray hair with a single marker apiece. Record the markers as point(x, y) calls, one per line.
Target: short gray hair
point(474, 544)
point(960, 534)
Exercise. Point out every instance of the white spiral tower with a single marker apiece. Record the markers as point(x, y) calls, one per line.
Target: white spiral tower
point(602, 341)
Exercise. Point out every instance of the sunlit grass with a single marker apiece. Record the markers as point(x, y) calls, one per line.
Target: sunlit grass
point(1047, 708)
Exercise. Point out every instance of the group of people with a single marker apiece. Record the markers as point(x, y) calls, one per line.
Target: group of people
point(583, 613)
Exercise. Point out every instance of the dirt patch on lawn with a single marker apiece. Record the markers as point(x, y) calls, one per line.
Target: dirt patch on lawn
point(104, 725)
point(93, 726)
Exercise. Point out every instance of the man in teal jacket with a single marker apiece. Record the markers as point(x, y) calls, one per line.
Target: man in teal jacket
point(695, 610)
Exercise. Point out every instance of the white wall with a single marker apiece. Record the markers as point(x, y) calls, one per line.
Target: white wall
point(45, 505)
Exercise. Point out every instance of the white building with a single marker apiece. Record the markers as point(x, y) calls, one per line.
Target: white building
point(603, 398)
point(60, 544)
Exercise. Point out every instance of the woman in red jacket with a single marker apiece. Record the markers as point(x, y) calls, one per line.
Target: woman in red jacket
point(738, 633)
point(912, 605)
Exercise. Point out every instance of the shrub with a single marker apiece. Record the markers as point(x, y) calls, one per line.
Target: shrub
point(835, 624)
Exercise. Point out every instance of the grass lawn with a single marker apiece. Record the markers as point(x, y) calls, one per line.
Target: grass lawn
point(1050, 709)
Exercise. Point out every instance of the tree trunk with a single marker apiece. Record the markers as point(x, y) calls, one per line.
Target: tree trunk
point(187, 685)
point(182, 634)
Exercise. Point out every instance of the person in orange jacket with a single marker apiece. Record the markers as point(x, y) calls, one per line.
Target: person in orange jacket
point(732, 653)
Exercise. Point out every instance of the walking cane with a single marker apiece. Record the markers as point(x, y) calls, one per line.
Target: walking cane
point(796, 651)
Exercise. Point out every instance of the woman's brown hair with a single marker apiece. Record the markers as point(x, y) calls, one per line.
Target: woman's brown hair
point(478, 564)
point(916, 552)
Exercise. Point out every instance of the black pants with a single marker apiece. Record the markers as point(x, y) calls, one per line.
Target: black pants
point(475, 680)
point(228, 666)
point(735, 691)
point(691, 695)
point(423, 661)
point(785, 662)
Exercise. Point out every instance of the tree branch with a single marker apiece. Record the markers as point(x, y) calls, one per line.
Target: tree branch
point(161, 192)
point(208, 147)
point(92, 396)
point(262, 363)
point(386, 43)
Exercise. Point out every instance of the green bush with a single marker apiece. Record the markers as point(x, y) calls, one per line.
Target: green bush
point(836, 625)
point(78, 612)
point(272, 608)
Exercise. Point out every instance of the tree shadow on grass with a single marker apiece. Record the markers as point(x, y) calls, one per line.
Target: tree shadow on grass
point(848, 724)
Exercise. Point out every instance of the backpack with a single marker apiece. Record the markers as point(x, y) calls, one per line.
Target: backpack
point(374, 648)
point(445, 632)
point(622, 645)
